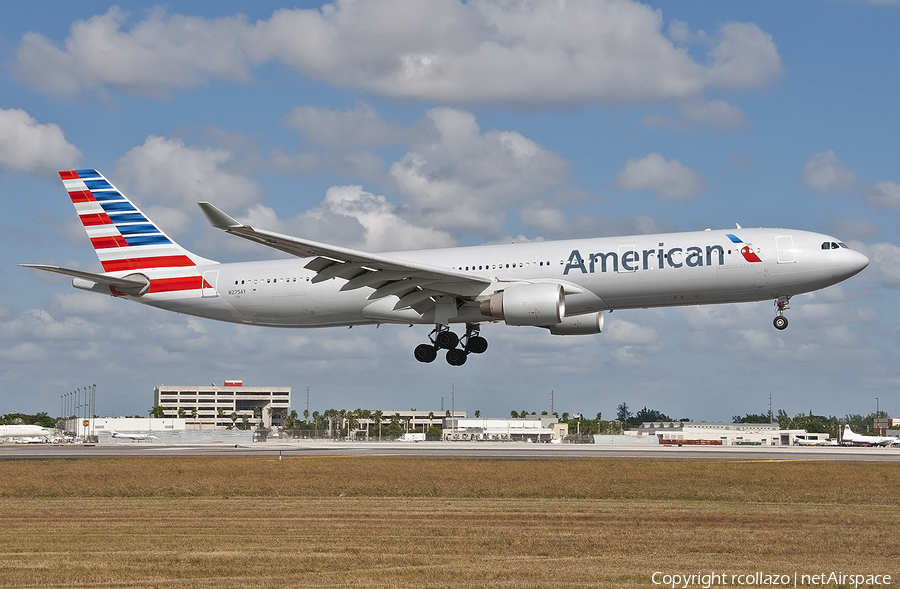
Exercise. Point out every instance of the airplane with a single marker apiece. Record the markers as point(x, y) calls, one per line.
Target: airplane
point(809, 442)
point(23, 431)
point(563, 286)
point(860, 440)
point(133, 437)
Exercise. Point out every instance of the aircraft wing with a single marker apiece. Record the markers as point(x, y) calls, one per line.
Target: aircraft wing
point(414, 283)
point(135, 285)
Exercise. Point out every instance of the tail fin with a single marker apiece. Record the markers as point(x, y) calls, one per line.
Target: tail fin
point(124, 239)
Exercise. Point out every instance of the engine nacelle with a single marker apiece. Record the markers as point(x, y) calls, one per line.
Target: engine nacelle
point(542, 304)
point(588, 324)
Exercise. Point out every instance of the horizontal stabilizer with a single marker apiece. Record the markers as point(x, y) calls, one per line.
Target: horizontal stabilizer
point(134, 284)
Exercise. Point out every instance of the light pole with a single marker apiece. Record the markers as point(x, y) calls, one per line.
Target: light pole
point(877, 415)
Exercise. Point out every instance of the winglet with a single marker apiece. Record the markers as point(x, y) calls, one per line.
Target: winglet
point(217, 218)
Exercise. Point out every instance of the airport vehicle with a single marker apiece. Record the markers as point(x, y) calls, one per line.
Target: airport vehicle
point(23, 431)
point(565, 286)
point(133, 437)
point(854, 439)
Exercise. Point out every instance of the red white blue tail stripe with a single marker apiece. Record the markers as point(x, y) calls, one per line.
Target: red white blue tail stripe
point(125, 240)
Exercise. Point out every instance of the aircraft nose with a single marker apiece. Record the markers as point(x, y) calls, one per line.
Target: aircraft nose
point(858, 262)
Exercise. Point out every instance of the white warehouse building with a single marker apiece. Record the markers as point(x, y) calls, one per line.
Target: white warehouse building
point(536, 428)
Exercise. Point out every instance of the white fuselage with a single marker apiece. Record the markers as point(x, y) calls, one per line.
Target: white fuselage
point(22, 431)
point(662, 270)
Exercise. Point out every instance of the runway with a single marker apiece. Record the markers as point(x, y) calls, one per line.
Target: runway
point(450, 450)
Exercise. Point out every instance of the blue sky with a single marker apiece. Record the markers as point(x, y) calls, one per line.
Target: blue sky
point(390, 124)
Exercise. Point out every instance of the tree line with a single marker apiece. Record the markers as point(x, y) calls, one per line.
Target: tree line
point(372, 424)
point(861, 424)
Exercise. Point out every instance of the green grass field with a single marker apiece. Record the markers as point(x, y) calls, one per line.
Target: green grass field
point(395, 522)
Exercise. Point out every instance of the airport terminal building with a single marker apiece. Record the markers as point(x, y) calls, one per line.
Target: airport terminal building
point(219, 406)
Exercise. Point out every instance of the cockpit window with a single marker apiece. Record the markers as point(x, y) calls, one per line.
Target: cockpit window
point(843, 245)
point(830, 245)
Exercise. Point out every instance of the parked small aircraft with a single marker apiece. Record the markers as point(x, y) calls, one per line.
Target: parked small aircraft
point(855, 439)
point(812, 442)
point(133, 437)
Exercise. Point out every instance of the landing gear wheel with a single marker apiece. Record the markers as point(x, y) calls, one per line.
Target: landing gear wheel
point(446, 339)
point(476, 345)
point(456, 357)
point(780, 322)
point(425, 353)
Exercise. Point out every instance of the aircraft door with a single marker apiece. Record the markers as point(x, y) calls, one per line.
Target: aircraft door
point(210, 278)
point(785, 246)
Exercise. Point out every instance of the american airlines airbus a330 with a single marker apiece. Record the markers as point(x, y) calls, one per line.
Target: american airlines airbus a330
point(563, 286)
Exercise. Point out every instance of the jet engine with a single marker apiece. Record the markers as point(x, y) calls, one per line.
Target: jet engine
point(588, 324)
point(542, 304)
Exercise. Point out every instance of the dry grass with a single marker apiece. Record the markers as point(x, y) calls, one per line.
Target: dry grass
point(393, 522)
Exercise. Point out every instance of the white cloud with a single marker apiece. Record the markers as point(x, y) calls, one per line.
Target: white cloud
point(884, 263)
point(672, 179)
point(42, 324)
point(360, 126)
point(847, 228)
point(167, 171)
point(463, 179)
point(745, 57)
point(162, 52)
point(718, 114)
point(546, 219)
point(527, 54)
point(352, 217)
point(622, 332)
point(824, 173)
point(29, 146)
point(23, 352)
point(883, 195)
point(382, 227)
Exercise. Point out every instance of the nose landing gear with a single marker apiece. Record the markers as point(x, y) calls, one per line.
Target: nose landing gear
point(783, 304)
point(442, 338)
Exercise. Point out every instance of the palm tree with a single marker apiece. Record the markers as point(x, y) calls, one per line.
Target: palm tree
point(379, 415)
point(157, 411)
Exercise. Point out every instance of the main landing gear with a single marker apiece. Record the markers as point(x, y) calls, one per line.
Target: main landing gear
point(444, 339)
point(783, 305)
